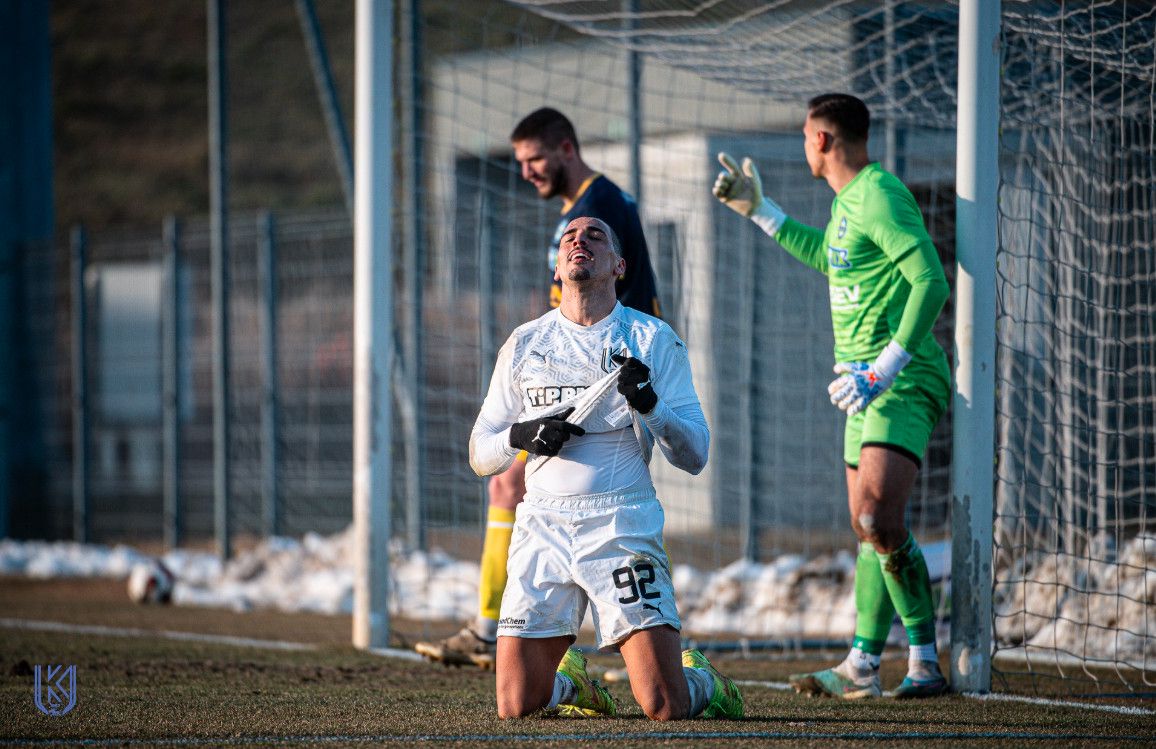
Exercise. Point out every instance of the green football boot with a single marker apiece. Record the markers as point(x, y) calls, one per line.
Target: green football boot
point(727, 701)
point(842, 681)
point(923, 679)
point(592, 699)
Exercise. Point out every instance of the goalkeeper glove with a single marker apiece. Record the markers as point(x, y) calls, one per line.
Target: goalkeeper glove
point(860, 383)
point(544, 436)
point(742, 192)
point(634, 383)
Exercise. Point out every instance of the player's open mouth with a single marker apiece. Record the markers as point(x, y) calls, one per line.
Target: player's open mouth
point(580, 256)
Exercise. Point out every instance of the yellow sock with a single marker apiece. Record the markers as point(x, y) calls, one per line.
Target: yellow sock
point(499, 528)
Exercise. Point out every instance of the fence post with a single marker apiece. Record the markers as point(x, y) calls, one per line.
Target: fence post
point(219, 251)
point(413, 260)
point(327, 92)
point(171, 387)
point(635, 129)
point(80, 405)
point(267, 278)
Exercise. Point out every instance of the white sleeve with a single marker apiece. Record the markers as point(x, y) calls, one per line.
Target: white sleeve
point(676, 421)
point(490, 450)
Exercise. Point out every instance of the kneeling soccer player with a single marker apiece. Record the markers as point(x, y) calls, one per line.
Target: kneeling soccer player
point(590, 528)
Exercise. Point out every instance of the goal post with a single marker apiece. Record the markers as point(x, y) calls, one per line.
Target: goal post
point(973, 428)
point(373, 321)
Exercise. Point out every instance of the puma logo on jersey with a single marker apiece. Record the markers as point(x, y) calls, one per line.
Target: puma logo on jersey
point(844, 297)
point(837, 257)
point(548, 395)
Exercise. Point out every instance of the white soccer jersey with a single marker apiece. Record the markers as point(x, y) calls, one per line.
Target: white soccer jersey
point(550, 361)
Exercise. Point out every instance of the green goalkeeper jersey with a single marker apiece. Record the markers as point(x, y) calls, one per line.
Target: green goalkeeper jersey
point(884, 276)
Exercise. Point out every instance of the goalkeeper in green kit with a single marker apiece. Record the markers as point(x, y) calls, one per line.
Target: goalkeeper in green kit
point(887, 288)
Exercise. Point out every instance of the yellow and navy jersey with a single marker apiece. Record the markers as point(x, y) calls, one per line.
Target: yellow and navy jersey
point(602, 199)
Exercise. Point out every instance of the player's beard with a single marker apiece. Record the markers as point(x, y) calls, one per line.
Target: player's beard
point(555, 183)
point(580, 274)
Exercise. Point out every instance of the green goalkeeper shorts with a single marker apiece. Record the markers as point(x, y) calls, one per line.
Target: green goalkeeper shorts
point(903, 417)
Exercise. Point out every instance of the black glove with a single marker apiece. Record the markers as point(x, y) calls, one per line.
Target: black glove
point(634, 383)
point(544, 436)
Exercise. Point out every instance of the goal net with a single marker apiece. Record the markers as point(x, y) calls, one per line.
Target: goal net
point(1075, 531)
point(761, 541)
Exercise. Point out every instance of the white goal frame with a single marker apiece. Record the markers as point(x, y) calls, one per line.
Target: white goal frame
point(973, 426)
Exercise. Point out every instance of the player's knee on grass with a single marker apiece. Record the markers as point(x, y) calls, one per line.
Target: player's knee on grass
point(508, 709)
point(519, 703)
point(663, 706)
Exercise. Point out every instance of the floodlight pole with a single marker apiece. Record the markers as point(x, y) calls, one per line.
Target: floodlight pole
point(373, 319)
point(973, 427)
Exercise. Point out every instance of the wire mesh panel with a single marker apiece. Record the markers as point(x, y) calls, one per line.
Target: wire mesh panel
point(761, 540)
point(767, 518)
point(1075, 550)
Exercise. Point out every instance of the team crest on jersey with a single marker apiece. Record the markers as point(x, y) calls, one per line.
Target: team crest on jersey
point(842, 228)
point(837, 257)
point(608, 365)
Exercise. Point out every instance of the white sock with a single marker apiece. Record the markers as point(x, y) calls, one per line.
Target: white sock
point(701, 685)
point(862, 662)
point(564, 691)
point(485, 628)
point(922, 653)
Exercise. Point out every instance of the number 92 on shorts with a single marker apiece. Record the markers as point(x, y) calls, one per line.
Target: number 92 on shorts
point(605, 550)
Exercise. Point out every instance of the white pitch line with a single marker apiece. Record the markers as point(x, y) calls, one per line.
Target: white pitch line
point(244, 642)
point(404, 655)
point(93, 629)
point(1119, 709)
point(782, 686)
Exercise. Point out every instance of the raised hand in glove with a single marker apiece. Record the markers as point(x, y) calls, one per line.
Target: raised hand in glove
point(544, 436)
point(862, 382)
point(742, 192)
point(634, 383)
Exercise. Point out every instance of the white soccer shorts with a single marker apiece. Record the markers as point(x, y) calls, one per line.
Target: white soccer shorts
point(605, 550)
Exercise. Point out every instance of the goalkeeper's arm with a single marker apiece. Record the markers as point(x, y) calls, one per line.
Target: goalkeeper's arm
point(742, 192)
